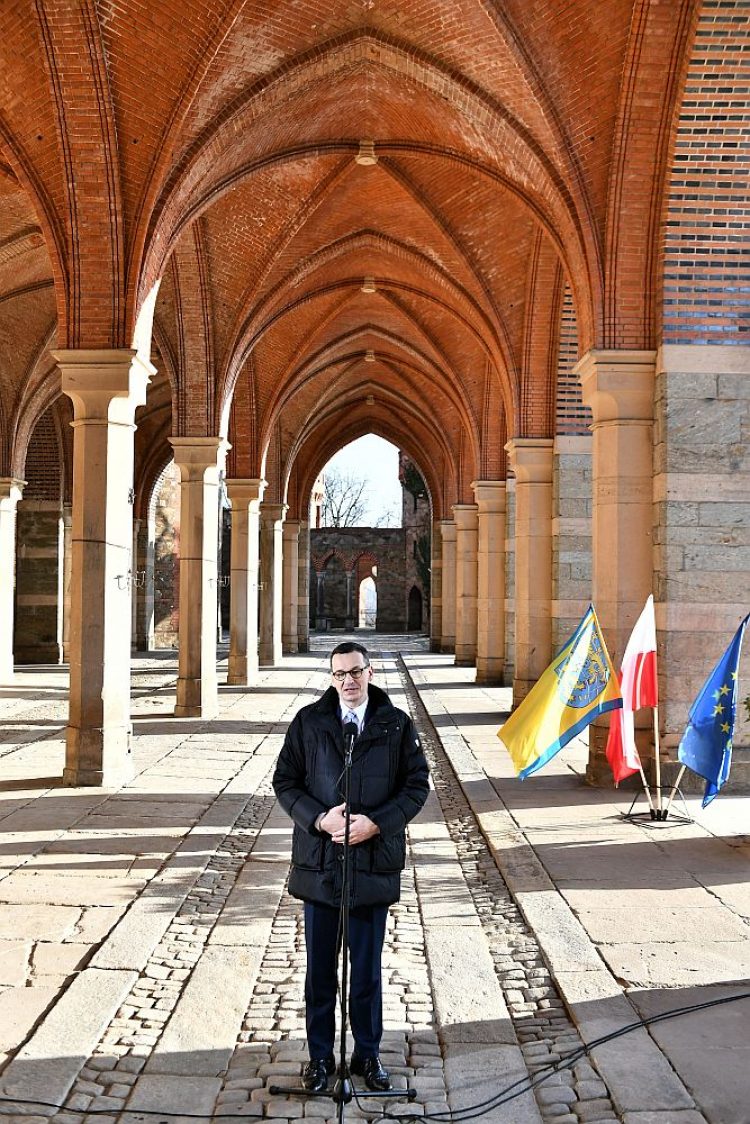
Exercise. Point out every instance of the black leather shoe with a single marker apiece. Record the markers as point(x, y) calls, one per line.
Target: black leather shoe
point(316, 1073)
point(376, 1077)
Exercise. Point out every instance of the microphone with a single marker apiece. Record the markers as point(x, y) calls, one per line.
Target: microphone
point(350, 733)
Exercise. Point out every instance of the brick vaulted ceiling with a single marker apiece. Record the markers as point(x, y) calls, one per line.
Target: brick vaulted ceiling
point(523, 146)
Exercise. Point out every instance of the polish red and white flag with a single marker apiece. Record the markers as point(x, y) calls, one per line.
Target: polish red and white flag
point(639, 687)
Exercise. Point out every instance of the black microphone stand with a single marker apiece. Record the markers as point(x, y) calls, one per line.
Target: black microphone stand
point(343, 1090)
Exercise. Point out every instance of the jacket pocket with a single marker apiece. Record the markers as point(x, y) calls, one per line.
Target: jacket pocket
point(389, 853)
point(308, 851)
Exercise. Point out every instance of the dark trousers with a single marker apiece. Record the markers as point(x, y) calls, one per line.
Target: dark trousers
point(322, 939)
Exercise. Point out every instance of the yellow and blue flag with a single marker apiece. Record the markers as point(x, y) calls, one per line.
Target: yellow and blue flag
point(706, 745)
point(578, 686)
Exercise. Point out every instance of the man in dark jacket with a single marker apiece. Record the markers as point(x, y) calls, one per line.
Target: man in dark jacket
point(388, 786)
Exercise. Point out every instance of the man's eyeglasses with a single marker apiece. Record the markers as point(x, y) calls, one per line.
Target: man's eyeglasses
point(355, 672)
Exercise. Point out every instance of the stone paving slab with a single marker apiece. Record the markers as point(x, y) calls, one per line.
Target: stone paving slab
point(45, 1068)
point(216, 933)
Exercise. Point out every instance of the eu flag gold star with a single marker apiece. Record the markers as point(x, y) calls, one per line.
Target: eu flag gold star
point(724, 690)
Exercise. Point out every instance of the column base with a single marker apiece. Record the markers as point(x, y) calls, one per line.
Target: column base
point(194, 700)
point(491, 672)
point(98, 758)
point(521, 688)
point(465, 661)
point(448, 647)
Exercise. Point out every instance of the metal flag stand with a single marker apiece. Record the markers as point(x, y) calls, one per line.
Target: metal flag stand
point(657, 814)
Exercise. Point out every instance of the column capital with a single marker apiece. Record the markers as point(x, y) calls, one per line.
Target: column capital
point(273, 512)
point(531, 459)
point(465, 515)
point(490, 495)
point(195, 456)
point(105, 384)
point(247, 490)
point(11, 489)
point(291, 527)
point(618, 385)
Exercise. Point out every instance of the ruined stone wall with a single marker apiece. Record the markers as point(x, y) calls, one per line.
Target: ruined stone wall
point(333, 551)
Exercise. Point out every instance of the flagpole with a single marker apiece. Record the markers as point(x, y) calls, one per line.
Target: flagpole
point(657, 762)
point(647, 790)
point(675, 786)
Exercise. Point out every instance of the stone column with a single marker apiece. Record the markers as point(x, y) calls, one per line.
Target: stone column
point(105, 388)
point(271, 582)
point(531, 461)
point(448, 539)
point(290, 607)
point(702, 533)
point(510, 579)
point(11, 491)
point(245, 497)
point(352, 608)
point(467, 544)
point(200, 461)
point(619, 388)
point(490, 497)
point(143, 593)
point(67, 520)
point(320, 591)
point(436, 589)
point(303, 588)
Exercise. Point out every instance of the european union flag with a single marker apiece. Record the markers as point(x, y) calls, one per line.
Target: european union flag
point(706, 745)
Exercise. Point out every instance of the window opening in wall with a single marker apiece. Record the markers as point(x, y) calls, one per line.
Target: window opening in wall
point(368, 603)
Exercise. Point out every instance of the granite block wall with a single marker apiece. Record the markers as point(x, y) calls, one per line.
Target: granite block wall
point(572, 506)
point(701, 523)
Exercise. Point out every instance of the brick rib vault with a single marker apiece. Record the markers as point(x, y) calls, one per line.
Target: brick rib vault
point(509, 238)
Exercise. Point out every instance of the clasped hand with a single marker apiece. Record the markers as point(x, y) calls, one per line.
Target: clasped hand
point(361, 826)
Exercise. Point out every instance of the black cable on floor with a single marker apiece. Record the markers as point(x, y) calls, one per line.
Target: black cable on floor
point(470, 1112)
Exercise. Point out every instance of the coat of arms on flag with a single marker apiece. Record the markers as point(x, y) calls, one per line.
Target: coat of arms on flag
point(579, 685)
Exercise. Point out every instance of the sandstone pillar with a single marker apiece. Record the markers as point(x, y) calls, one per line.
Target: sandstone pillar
point(436, 589)
point(448, 540)
point(67, 519)
point(143, 593)
point(11, 491)
point(490, 497)
point(619, 388)
point(467, 544)
point(303, 588)
point(105, 388)
point(200, 461)
point(245, 497)
point(531, 460)
point(290, 606)
point(702, 531)
point(271, 582)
